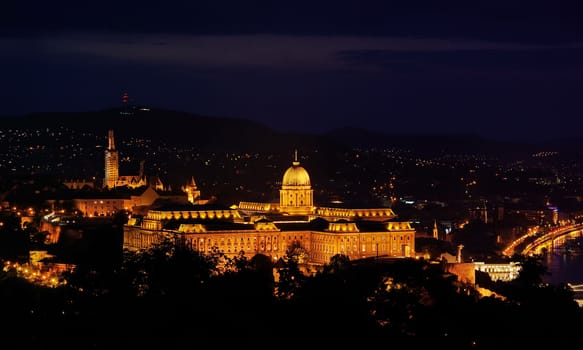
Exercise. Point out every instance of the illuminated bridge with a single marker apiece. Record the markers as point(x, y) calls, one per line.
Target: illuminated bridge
point(554, 238)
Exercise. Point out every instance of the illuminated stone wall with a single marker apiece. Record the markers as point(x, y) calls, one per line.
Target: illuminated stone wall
point(54, 231)
point(465, 272)
point(499, 272)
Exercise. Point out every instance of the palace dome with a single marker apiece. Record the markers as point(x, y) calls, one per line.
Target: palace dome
point(296, 176)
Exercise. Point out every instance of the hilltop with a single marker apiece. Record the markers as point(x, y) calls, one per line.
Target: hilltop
point(236, 134)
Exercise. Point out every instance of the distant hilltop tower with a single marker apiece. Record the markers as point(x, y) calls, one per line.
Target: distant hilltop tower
point(126, 110)
point(111, 163)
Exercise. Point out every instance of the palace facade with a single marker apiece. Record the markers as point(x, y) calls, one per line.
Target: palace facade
point(274, 228)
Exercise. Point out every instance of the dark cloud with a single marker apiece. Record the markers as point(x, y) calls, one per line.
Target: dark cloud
point(505, 69)
point(500, 20)
point(525, 59)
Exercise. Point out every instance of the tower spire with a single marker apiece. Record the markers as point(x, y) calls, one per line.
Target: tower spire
point(295, 162)
point(111, 144)
point(192, 192)
point(111, 163)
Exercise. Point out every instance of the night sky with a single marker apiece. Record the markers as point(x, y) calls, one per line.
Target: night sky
point(500, 69)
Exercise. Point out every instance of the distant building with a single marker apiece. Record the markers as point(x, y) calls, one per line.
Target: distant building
point(274, 228)
point(108, 203)
point(536, 215)
point(112, 177)
point(142, 191)
point(499, 271)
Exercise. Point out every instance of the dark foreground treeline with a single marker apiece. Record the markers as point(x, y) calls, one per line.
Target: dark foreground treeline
point(171, 298)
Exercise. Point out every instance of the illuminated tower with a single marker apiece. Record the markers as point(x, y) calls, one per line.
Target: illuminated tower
point(458, 257)
point(435, 232)
point(111, 163)
point(191, 190)
point(296, 196)
point(124, 101)
point(158, 185)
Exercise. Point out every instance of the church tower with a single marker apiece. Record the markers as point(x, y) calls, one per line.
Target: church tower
point(111, 163)
point(191, 190)
point(296, 196)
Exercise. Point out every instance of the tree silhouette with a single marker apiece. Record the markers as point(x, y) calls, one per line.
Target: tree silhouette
point(290, 277)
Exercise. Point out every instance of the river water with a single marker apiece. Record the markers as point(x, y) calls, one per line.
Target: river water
point(564, 268)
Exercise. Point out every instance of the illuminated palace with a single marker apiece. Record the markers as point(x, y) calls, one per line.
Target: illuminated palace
point(273, 228)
